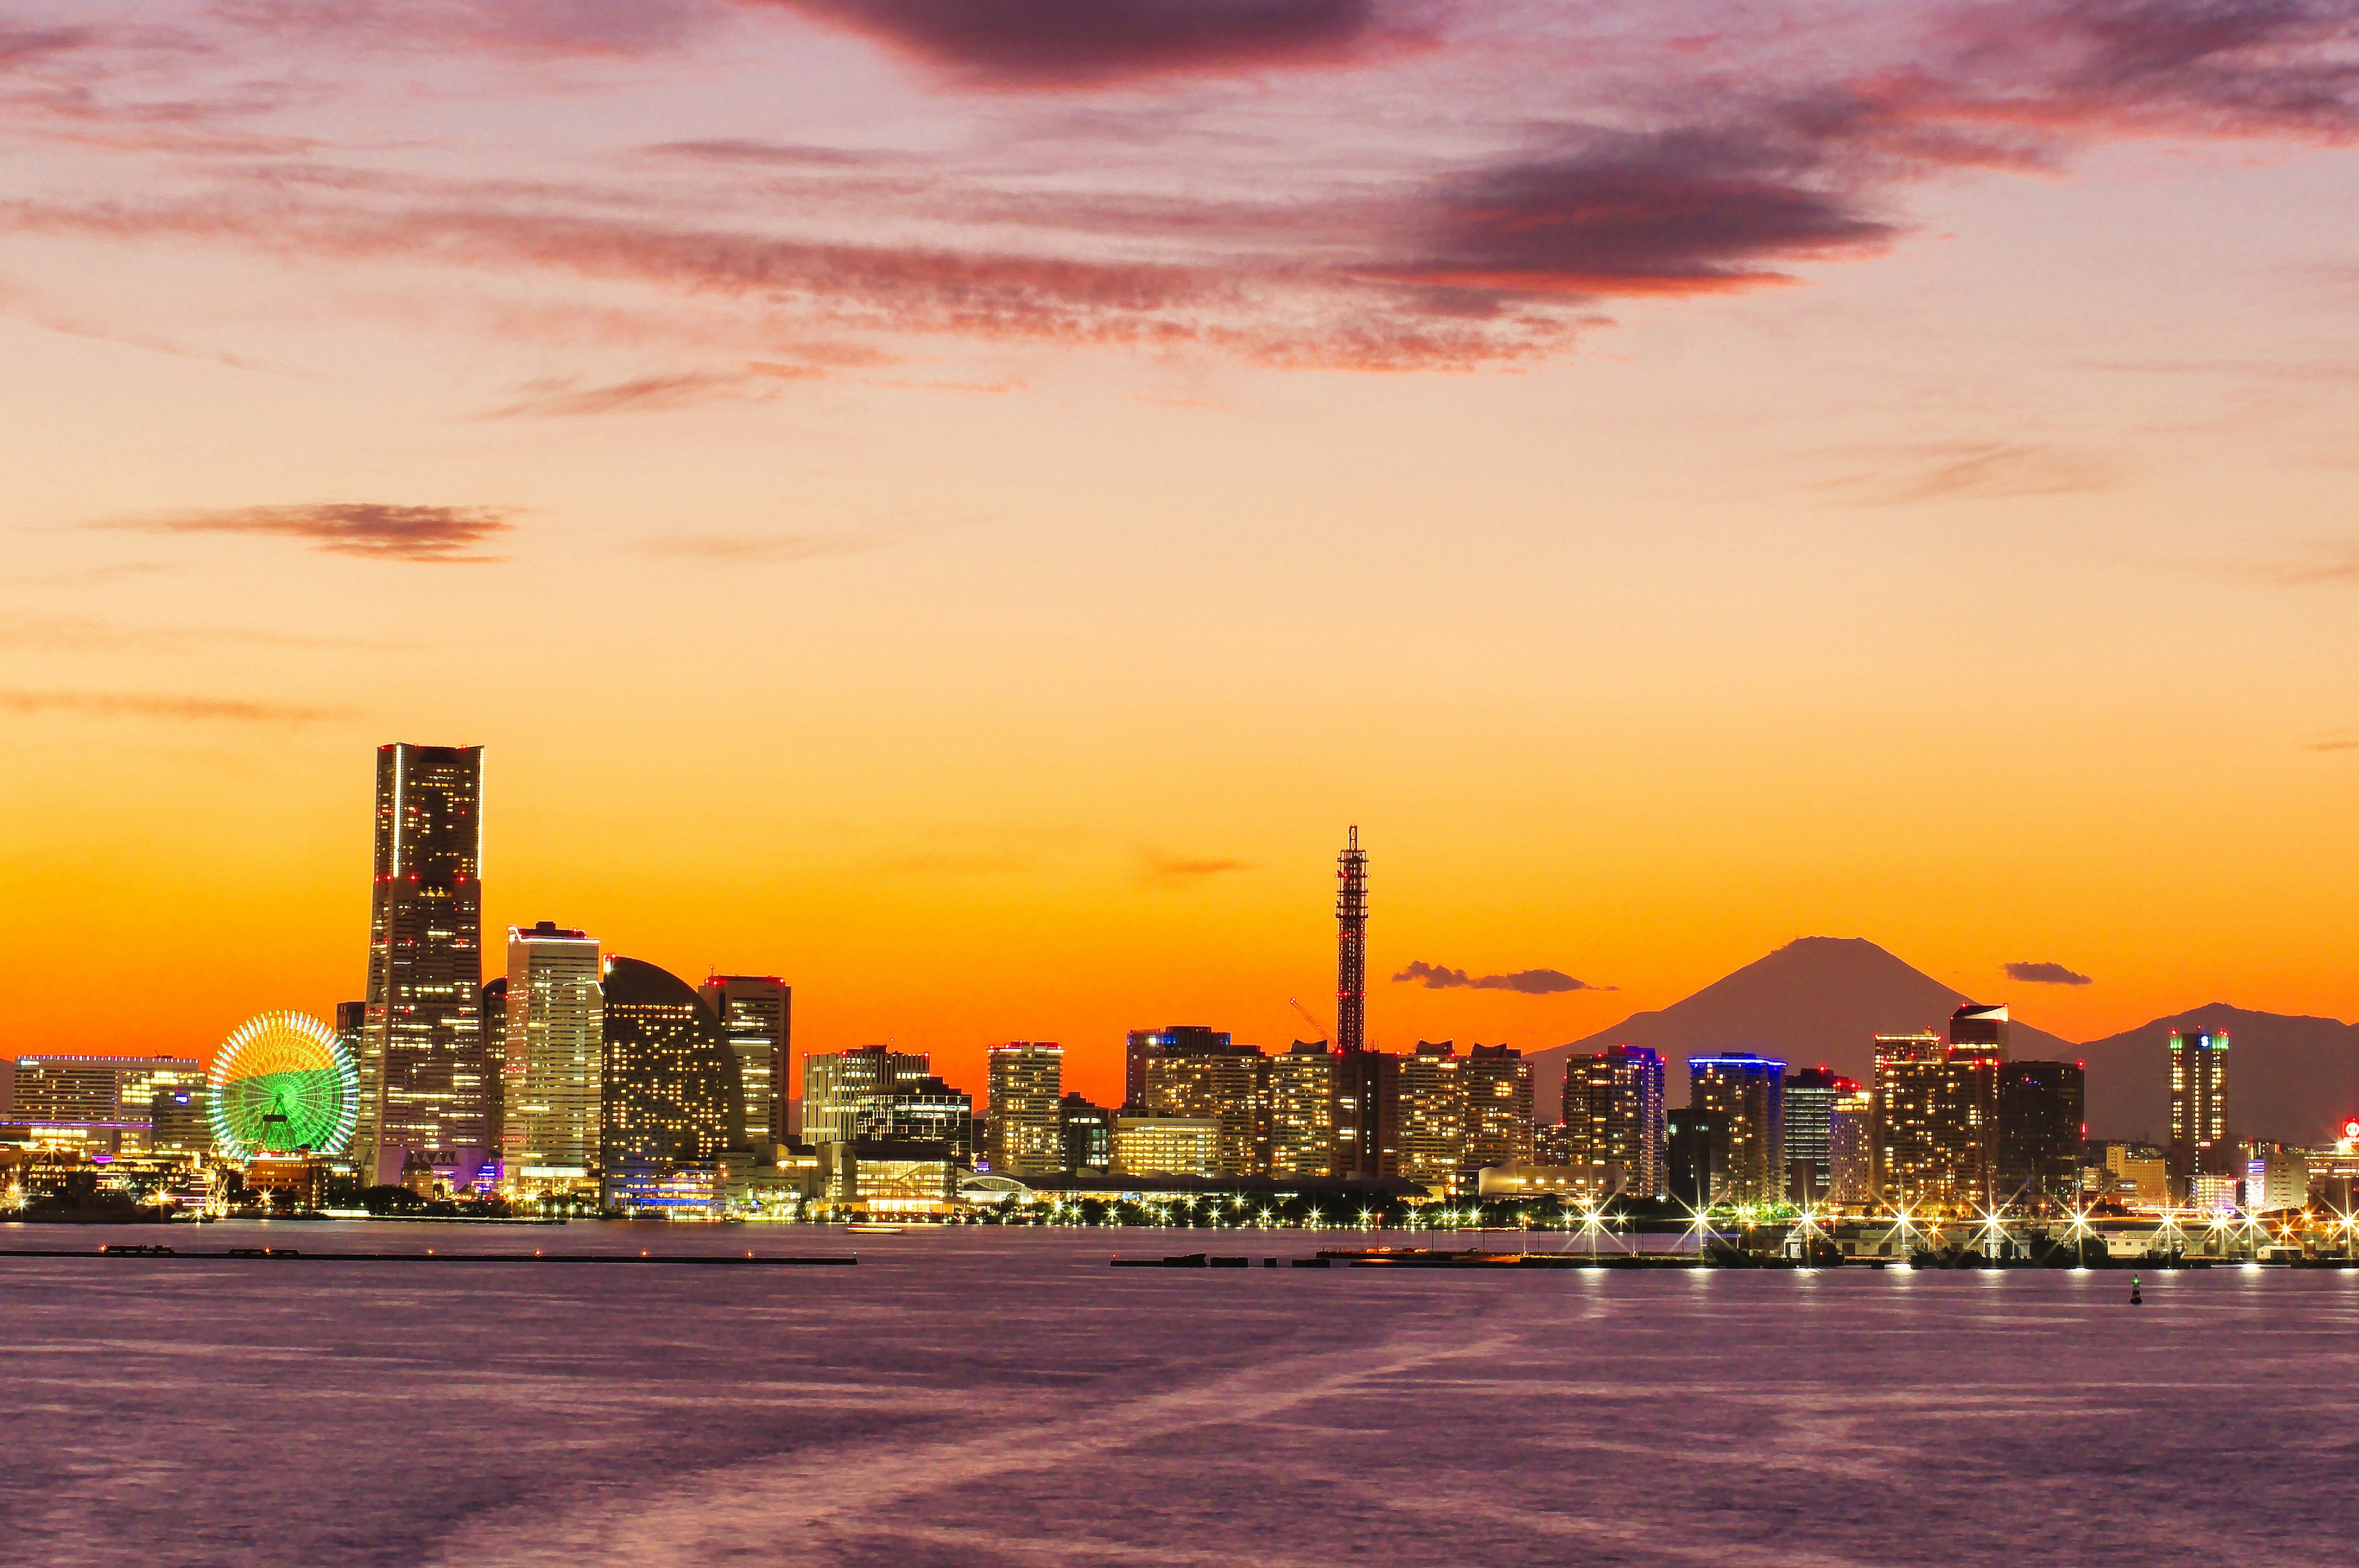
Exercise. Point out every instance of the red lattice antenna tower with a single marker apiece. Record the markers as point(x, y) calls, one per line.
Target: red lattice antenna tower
point(1352, 946)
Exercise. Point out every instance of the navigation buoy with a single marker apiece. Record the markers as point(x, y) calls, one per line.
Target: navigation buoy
point(2136, 1300)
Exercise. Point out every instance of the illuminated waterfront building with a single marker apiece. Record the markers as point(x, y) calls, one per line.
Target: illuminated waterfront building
point(177, 1123)
point(96, 1104)
point(492, 1008)
point(1614, 1119)
point(1232, 1087)
point(552, 1073)
point(669, 1094)
point(1027, 1088)
point(2199, 1100)
point(1145, 1046)
point(756, 1013)
point(1497, 1084)
point(1935, 1111)
point(2136, 1175)
point(2211, 1192)
point(2275, 1177)
point(1166, 1146)
point(424, 1080)
point(843, 1088)
point(1432, 1113)
point(1086, 1133)
point(923, 1110)
point(1302, 1111)
point(1695, 1150)
point(2041, 1132)
point(1851, 1147)
point(888, 1177)
point(1749, 1091)
point(1811, 1095)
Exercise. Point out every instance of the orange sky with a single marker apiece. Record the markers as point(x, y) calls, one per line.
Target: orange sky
point(966, 524)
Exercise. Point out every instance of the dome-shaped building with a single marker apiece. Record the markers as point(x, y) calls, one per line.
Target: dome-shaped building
point(672, 1094)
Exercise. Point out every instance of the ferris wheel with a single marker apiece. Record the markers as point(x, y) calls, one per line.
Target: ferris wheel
point(282, 1084)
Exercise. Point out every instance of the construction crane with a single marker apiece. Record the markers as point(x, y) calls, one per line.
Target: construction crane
point(1324, 1033)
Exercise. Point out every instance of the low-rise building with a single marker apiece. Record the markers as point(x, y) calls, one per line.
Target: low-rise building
point(1168, 1146)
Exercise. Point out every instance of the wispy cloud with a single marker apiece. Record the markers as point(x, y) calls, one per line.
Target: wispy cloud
point(2334, 743)
point(369, 530)
point(2046, 975)
point(1525, 982)
point(1157, 868)
point(140, 705)
point(1967, 469)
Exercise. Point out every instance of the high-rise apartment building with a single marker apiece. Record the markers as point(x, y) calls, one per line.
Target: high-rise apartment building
point(424, 1081)
point(552, 1071)
point(1497, 1084)
point(756, 1013)
point(2199, 1101)
point(1748, 1090)
point(1432, 1112)
point(668, 1094)
point(1302, 1111)
point(1851, 1147)
point(492, 1008)
point(1231, 1087)
point(2040, 1130)
point(1028, 1090)
point(1613, 1125)
point(1145, 1046)
point(1811, 1094)
point(1086, 1131)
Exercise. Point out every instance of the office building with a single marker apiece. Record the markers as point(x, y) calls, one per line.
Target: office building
point(1498, 1086)
point(2199, 1100)
point(1935, 1113)
point(1367, 1115)
point(553, 1042)
point(923, 1110)
point(2136, 1175)
point(668, 1094)
point(1145, 1046)
point(94, 1105)
point(1027, 1089)
point(1432, 1113)
point(492, 1008)
point(1696, 1157)
point(1979, 1028)
point(1851, 1147)
point(177, 1122)
point(1231, 1087)
point(1166, 1146)
point(1302, 1111)
point(1614, 1123)
point(756, 1013)
point(843, 1088)
point(2040, 1130)
point(424, 1080)
point(1809, 1161)
point(1086, 1131)
point(2276, 1177)
point(1749, 1091)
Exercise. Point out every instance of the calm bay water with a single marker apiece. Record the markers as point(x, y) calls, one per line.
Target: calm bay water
point(982, 1397)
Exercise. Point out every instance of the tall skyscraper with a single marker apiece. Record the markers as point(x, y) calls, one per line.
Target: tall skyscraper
point(1087, 1133)
point(1749, 1091)
point(669, 1094)
point(1351, 945)
point(1851, 1147)
point(1498, 1087)
point(841, 1090)
point(552, 1073)
point(1027, 1089)
point(1302, 1111)
point(2040, 1130)
point(1811, 1094)
point(2199, 1100)
point(1979, 1027)
point(1614, 1119)
point(1432, 1113)
point(756, 1013)
point(1145, 1046)
point(424, 1081)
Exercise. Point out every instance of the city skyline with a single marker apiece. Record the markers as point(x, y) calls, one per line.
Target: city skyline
point(514, 372)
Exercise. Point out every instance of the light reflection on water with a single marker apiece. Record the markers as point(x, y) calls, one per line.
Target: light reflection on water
point(982, 1396)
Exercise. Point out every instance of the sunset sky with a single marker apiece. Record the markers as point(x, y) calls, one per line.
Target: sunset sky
point(960, 502)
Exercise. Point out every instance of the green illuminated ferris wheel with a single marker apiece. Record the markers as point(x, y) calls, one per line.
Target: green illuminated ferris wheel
point(282, 1084)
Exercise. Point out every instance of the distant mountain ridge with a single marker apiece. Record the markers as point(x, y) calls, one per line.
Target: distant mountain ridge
point(1824, 1000)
